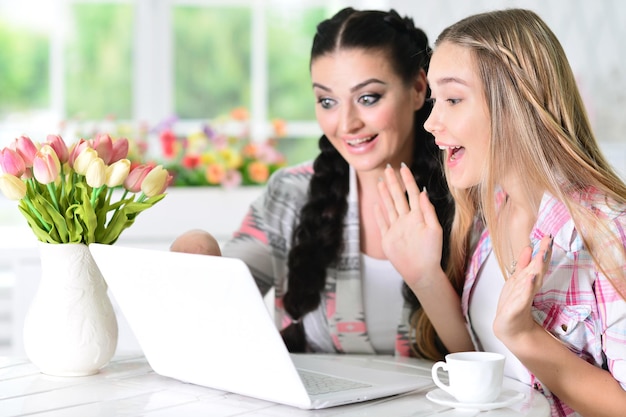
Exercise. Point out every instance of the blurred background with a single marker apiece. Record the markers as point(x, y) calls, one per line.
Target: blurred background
point(77, 66)
point(66, 63)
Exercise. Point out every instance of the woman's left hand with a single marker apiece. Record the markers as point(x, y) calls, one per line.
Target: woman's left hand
point(513, 314)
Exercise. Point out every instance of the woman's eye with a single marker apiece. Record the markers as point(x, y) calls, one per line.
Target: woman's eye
point(369, 99)
point(454, 101)
point(326, 102)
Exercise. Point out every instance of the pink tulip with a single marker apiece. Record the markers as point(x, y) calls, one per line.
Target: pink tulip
point(12, 163)
point(46, 165)
point(77, 149)
point(120, 150)
point(26, 148)
point(135, 178)
point(103, 144)
point(59, 147)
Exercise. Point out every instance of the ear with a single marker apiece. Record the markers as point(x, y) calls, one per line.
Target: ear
point(420, 87)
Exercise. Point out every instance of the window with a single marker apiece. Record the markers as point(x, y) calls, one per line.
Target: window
point(80, 61)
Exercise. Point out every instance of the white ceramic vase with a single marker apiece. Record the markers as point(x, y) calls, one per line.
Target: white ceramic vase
point(70, 328)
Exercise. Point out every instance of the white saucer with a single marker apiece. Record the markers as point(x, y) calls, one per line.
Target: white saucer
point(505, 399)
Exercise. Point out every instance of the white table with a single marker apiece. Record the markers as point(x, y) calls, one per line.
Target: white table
point(129, 387)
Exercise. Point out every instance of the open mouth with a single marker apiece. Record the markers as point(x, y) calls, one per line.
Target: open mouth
point(360, 141)
point(454, 152)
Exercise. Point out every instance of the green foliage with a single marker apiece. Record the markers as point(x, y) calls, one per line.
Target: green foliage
point(81, 214)
point(24, 81)
point(211, 59)
point(99, 61)
point(290, 37)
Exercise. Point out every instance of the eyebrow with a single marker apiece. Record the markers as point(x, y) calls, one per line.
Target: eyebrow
point(450, 80)
point(356, 87)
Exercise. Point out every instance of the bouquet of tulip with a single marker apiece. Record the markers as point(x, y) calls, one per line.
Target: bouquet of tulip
point(66, 193)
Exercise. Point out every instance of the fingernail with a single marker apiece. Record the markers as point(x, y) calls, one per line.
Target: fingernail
point(380, 179)
point(388, 165)
point(424, 190)
point(402, 164)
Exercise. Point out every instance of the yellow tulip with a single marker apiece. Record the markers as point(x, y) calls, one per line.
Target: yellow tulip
point(156, 181)
point(96, 173)
point(84, 158)
point(12, 187)
point(117, 172)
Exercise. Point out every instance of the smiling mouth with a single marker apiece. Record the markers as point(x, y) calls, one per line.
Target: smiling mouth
point(357, 142)
point(452, 150)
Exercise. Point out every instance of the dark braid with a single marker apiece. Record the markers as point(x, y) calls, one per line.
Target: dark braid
point(317, 241)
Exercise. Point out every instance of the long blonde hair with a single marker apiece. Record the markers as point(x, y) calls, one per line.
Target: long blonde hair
point(539, 131)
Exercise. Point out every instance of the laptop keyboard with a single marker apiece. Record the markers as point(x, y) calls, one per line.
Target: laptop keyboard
point(316, 383)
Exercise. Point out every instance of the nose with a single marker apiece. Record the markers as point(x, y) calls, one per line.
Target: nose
point(350, 119)
point(433, 122)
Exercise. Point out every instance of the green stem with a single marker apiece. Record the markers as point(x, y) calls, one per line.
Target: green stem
point(94, 195)
point(37, 214)
point(52, 189)
point(121, 199)
point(62, 181)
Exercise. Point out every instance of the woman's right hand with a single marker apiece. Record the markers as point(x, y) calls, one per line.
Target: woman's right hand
point(412, 237)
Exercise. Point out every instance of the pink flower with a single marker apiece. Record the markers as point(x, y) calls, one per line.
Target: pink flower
point(59, 147)
point(232, 178)
point(135, 178)
point(12, 163)
point(46, 165)
point(120, 150)
point(26, 148)
point(77, 149)
point(103, 144)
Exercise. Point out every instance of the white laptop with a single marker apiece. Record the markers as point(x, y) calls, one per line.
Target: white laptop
point(201, 319)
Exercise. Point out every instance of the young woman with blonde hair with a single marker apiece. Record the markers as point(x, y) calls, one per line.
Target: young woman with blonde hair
point(539, 234)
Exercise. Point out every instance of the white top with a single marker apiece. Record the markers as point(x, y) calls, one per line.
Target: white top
point(382, 300)
point(482, 312)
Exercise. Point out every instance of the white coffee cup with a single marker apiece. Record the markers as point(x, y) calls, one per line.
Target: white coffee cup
point(474, 377)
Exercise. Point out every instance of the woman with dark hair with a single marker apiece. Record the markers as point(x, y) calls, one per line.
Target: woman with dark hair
point(312, 235)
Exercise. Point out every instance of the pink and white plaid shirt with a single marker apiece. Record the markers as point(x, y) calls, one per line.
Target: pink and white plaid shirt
point(577, 303)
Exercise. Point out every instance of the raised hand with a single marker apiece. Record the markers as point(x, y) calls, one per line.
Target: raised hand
point(513, 314)
point(411, 233)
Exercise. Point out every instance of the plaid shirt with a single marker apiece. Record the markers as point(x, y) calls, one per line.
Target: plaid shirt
point(577, 303)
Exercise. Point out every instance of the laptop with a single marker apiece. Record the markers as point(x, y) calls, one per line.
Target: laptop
point(202, 320)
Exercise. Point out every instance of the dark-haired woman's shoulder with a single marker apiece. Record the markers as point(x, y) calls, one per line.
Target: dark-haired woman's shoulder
point(291, 182)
